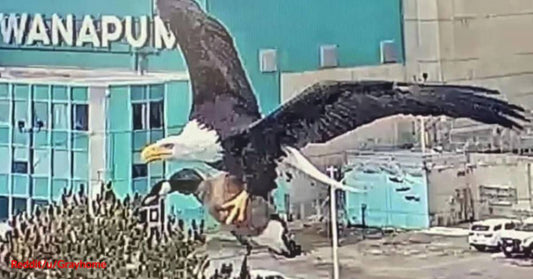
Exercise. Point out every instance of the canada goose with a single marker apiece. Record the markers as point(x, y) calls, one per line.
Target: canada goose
point(262, 226)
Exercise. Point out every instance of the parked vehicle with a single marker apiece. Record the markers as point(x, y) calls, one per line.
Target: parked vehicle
point(518, 241)
point(267, 274)
point(485, 235)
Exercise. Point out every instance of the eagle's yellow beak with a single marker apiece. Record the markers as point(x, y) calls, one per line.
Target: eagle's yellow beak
point(154, 152)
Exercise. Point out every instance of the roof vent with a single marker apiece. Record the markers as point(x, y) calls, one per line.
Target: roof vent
point(268, 60)
point(328, 56)
point(389, 53)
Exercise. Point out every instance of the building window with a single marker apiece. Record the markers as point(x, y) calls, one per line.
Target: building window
point(19, 167)
point(156, 115)
point(80, 116)
point(4, 112)
point(21, 112)
point(4, 208)
point(139, 117)
point(140, 186)
point(80, 165)
point(4, 164)
point(38, 203)
point(60, 116)
point(60, 164)
point(139, 170)
point(40, 112)
point(148, 115)
point(19, 205)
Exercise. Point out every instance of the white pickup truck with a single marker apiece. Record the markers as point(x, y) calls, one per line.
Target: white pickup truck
point(518, 241)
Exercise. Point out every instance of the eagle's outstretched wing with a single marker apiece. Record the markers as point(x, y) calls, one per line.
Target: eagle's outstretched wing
point(223, 98)
point(329, 109)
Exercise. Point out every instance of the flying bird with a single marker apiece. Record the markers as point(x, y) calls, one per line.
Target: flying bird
point(226, 128)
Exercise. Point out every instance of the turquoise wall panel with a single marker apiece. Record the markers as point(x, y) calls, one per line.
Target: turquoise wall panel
point(5, 165)
point(4, 135)
point(41, 92)
point(20, 185)
point(4, 112)
point(40, 186)
point(386, 200)
point(298, 28)
point(41, 166)
point(120, 139)
point(61, 164)
point(178, 103)
point(94, 7)
point(4, 186)
point(4, 90)
point(58, 186)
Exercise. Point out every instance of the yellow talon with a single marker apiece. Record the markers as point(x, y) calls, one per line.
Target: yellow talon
point(238, 208)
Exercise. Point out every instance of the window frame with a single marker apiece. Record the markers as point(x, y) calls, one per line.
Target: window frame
point(146, 115)
point(144, 100)
point(68, 117)
point(73, 115)
point(133, 171)
point(13, 168)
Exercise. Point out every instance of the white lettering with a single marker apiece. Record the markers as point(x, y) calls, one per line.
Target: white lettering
point(163, 35)
point(143, 32)
point(62, 32)
point(111, 34)
point(13, 28)
point(87, 33)
point(38, 31)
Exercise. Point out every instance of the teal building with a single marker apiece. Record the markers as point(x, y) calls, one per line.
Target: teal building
point(395, 190)
point(72, 115)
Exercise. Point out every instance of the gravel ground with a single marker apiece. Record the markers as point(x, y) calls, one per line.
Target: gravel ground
point(398, 256)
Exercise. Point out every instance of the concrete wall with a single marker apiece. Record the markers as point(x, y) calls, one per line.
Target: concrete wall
point(480, 42)
point(97, 157)
point(448, 182)
point(504, 170)
point(455, 186)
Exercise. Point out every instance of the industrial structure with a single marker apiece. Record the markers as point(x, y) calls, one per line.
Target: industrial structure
point(72, 115)
point(79, 114)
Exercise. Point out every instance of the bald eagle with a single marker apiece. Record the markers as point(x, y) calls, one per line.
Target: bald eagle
point(226, 125)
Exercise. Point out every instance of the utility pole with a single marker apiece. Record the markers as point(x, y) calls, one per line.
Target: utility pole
point(422, 135)
point(530, 190)
point(333, 220)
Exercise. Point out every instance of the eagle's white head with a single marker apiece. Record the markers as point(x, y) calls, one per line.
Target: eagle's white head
point(195, 143)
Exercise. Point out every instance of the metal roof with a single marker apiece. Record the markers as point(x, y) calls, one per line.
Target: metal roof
point(84, 77)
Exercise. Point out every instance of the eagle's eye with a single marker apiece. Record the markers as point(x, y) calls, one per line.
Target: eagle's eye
point(168, 146)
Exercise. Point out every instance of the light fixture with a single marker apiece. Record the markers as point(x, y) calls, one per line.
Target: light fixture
point(21, 125)
point(39, 124)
